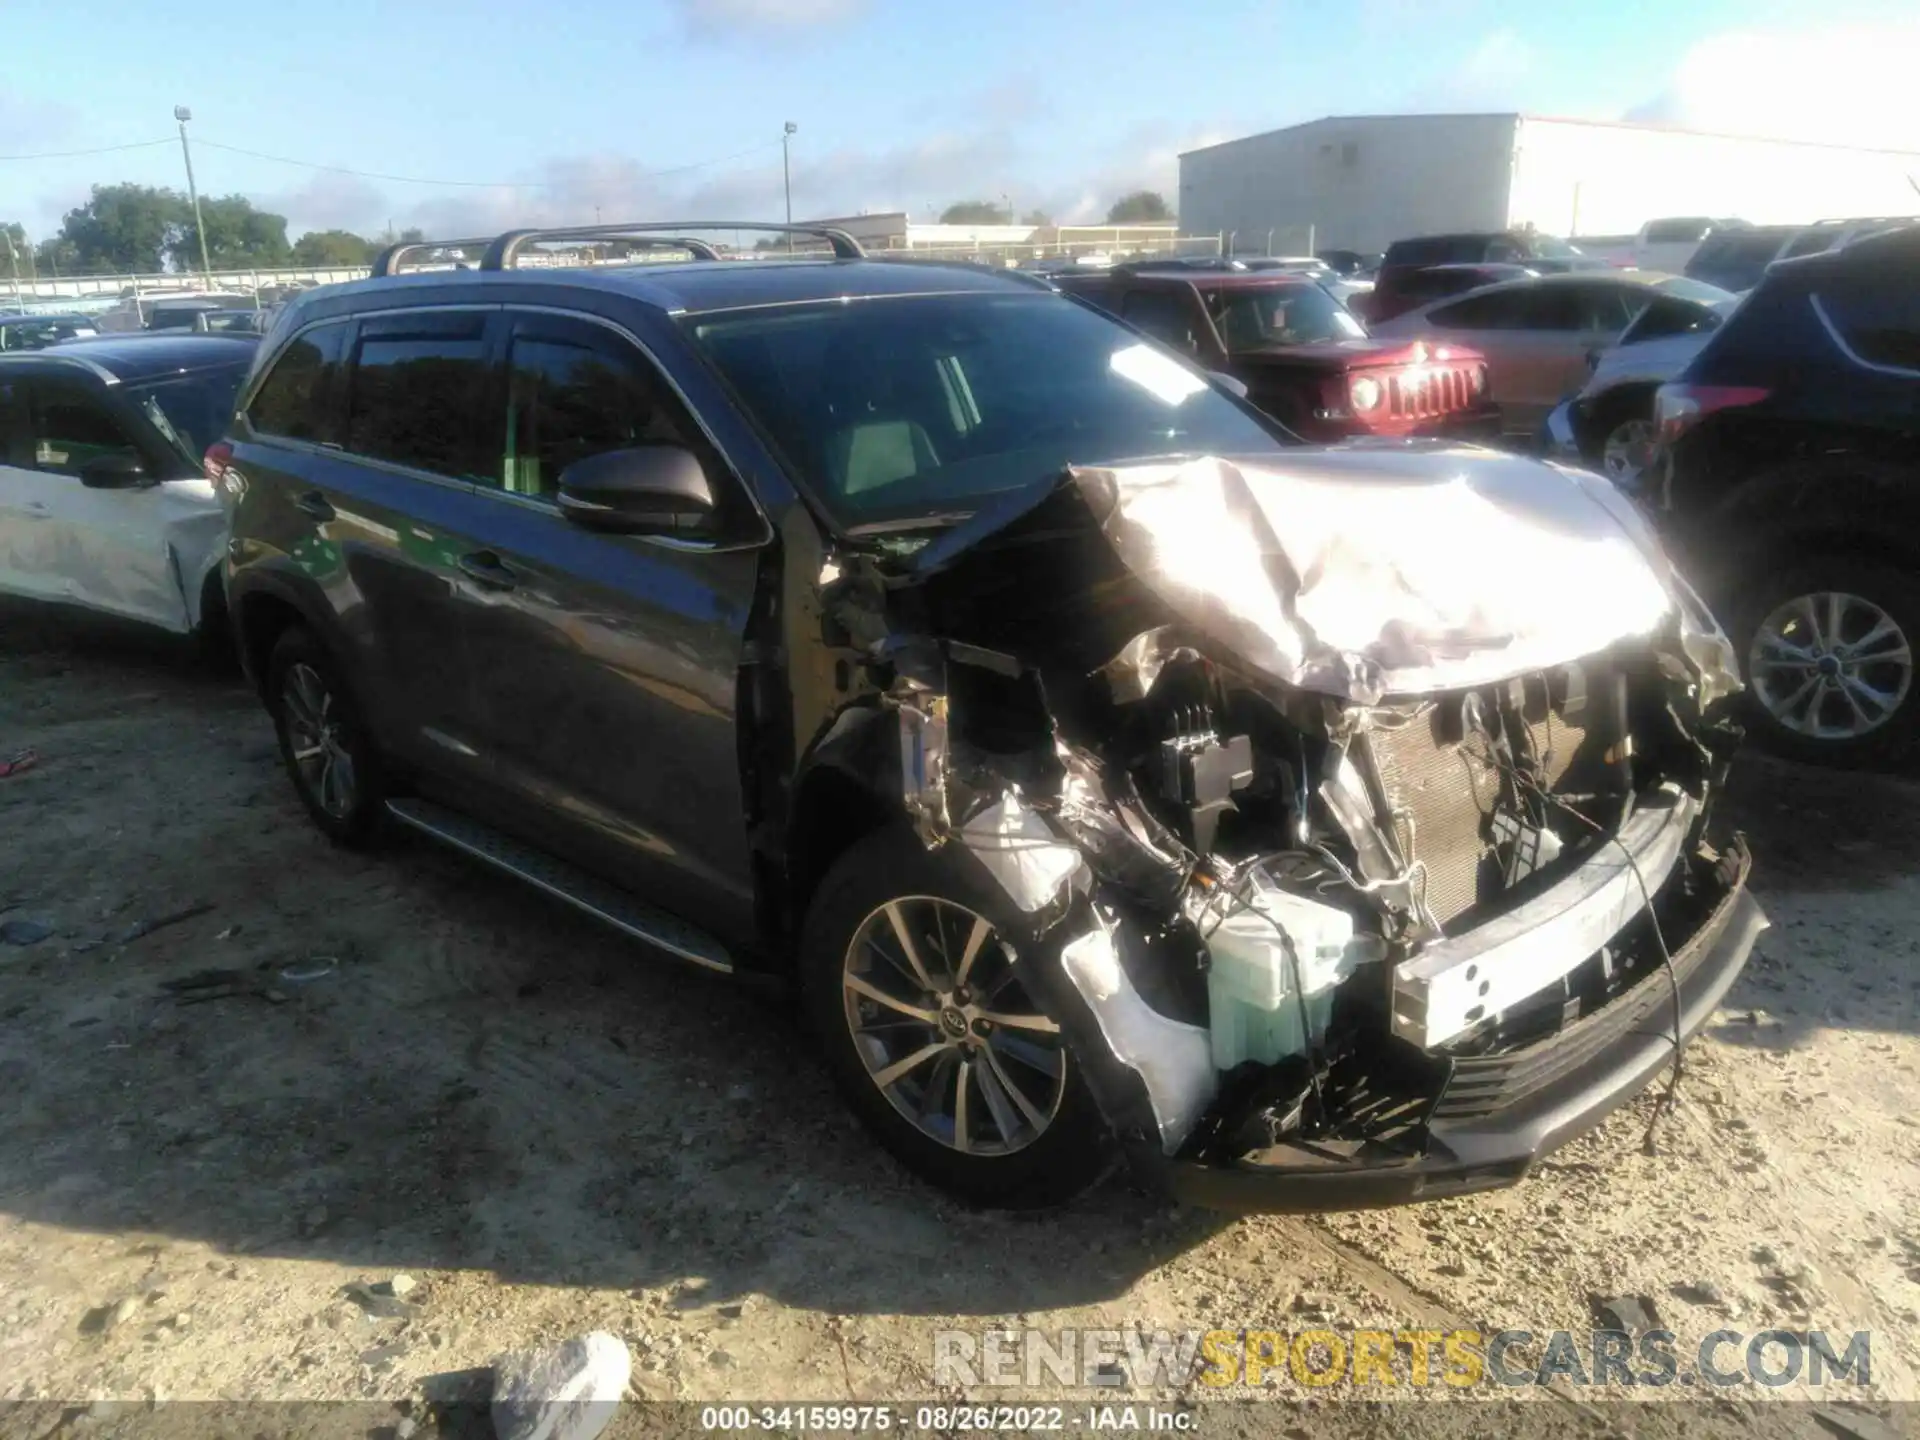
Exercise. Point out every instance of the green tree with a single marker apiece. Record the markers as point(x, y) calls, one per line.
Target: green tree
point(973, 212)
point(1039, 219)
point(324, 248)
point(125, 228)
point(412, 235)
point(1142, 207)
point(239, 237)
point(56, 256)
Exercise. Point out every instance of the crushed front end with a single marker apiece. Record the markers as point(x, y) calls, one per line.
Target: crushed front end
point(1355, 870)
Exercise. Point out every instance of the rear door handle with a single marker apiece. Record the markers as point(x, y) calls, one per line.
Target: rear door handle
point(315, 504)
point(486, 568)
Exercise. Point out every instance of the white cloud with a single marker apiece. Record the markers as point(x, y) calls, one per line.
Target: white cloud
point(327, 201)
point(1847, 84)
point(753, 17)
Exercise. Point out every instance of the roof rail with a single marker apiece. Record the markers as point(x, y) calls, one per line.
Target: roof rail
point(501, 253)
point(388, 261)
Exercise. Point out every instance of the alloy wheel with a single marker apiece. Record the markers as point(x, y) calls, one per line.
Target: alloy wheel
point(317, 740)
point(945, 1030)
point(1830, 665)
point(1627, 451)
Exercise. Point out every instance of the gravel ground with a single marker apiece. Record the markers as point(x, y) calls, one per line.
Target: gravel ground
point(422, 1070)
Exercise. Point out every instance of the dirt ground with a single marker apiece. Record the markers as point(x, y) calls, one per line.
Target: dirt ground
point(425, 1070)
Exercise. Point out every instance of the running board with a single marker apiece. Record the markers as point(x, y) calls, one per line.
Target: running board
point(606, 903)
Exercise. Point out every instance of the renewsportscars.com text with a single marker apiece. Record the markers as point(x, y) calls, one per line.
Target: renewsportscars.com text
point(1460, 1359)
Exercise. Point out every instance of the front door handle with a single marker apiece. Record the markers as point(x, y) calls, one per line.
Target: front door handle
point(38, 509)
point(486, 568)
point(315, 504)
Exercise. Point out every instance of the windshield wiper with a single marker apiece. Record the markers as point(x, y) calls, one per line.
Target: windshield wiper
point(877, 528)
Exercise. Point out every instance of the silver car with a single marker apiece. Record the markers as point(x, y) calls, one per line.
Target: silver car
point(1540, 335)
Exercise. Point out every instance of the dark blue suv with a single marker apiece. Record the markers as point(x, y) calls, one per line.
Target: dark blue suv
point(1789, 477)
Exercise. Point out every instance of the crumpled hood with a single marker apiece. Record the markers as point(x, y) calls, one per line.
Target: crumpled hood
point(1353, 571)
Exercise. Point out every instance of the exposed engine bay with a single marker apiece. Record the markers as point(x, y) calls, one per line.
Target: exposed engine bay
point(1332, 800)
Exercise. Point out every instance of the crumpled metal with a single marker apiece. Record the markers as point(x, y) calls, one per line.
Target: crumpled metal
point(1367, 572)
point(1174, 1060)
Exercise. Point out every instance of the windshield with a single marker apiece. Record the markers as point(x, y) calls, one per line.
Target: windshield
point(927, 404)
point(1286, 315)
point(191, 411)
point(1548, 248)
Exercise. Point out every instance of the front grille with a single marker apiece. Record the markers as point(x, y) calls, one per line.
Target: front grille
point(1429, 391)
point(1441, 792)
point(1486, 1084)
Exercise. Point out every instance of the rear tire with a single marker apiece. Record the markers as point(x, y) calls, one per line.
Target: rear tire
point(950, 911)
point(324, 743)
point(1826, 646)
point(1621, 430)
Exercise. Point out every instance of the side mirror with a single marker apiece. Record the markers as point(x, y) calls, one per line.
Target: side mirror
point(118, 471)
point(648, 490)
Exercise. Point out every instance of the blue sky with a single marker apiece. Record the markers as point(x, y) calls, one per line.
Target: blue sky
point(901, 104)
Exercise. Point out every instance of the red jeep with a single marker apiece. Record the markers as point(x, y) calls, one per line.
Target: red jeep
point(1303, 358)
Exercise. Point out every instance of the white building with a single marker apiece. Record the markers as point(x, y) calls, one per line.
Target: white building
point(1360, 182)
point(896, 230)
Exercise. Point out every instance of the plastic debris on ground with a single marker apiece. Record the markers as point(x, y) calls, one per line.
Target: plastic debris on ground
point(18, 763)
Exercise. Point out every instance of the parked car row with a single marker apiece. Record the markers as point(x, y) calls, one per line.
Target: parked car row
point(1542, 335)
point(1786, 470)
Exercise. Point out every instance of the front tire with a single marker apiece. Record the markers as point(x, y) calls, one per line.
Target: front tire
point(926, 1028)
point(323, 741)
point(1826, 646)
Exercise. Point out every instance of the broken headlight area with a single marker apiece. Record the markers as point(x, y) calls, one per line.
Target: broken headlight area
point(1277, 909)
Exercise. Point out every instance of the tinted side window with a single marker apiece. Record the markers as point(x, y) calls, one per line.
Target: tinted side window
point(1481, 312)
point(16, 430)
point(1881, 321)
point(1669, 317)
point(1165, 316)
point(417, 392)
point(1665, 232)
point(292, 400)
point(574, 390)
point(1604, 307)
point(69, 430)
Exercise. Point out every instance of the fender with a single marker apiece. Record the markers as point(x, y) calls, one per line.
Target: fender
point(1869, 504)
point(278, 579)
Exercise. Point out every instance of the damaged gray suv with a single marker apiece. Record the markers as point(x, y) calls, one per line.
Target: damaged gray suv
point(1107, 771)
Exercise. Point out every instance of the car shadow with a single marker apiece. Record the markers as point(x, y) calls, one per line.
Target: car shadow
point(413, 1066)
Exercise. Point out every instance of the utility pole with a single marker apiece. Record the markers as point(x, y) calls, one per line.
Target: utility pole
point(786, 176)
point(182, 114)
point(14, 258)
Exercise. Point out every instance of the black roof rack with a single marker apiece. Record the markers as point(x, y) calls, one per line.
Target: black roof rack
point(500, 254)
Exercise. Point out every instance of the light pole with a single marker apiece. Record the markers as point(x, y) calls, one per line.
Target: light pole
point(786, 176)
point(14, 258)
point(183, 114)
